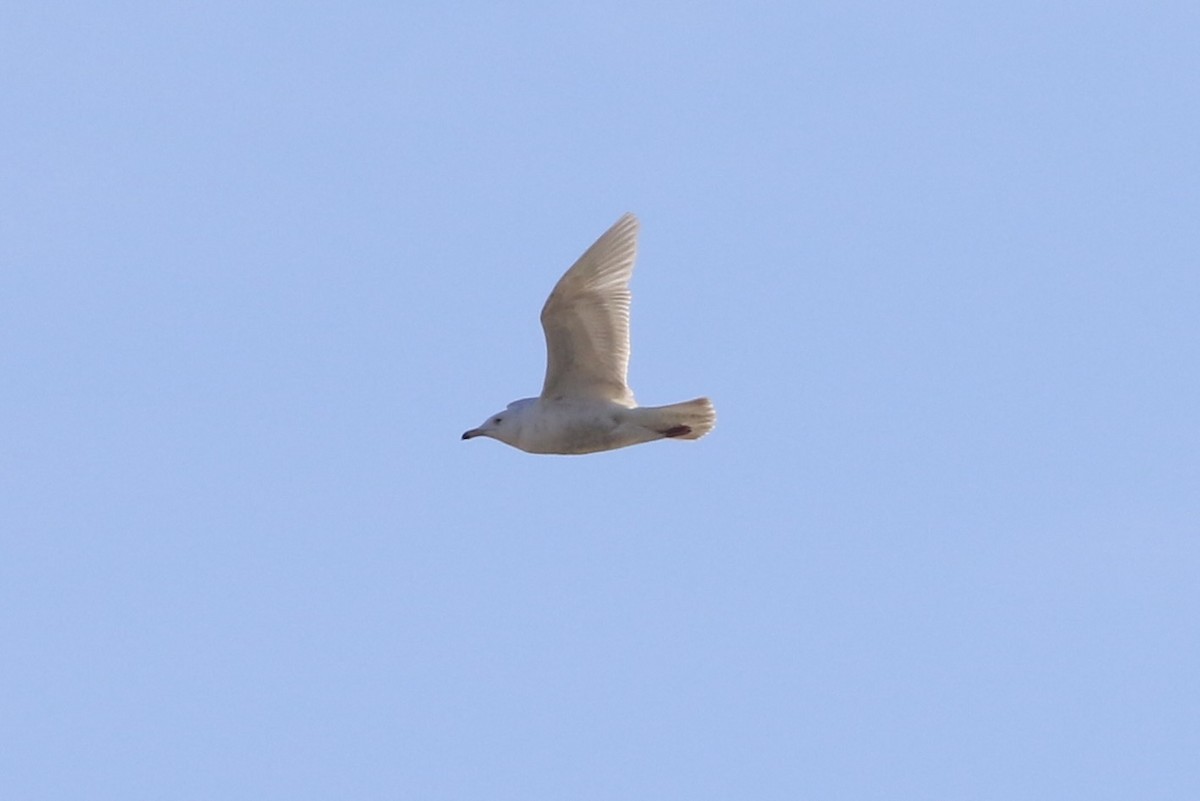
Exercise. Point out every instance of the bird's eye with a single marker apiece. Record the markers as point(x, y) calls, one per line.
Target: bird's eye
point(496, 421)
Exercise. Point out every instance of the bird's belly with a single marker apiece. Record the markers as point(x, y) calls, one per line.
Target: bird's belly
point(571, 439)
point(576, 432)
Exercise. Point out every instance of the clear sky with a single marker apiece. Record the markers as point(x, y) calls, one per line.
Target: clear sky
point(937, 264)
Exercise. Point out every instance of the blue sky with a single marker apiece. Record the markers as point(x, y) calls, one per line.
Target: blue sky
point(938, 265)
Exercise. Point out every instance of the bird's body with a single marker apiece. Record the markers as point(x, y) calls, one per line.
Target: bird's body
point(582, 425)
point(586, 405)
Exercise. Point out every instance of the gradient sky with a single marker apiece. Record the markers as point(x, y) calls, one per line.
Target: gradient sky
point(937, 264)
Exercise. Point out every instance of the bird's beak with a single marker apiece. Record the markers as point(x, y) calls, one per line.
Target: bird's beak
point(474, 432)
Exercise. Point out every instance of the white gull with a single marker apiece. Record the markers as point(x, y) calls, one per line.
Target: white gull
point(586, 405)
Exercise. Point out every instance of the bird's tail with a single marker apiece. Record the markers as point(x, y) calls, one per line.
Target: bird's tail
point(688, 420)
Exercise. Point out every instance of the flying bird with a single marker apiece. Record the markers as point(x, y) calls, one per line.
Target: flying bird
point(586, 405)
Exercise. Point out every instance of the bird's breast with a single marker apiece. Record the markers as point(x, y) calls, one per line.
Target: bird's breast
point(571, 428)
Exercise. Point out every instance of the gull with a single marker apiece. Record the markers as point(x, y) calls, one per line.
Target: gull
point(586, 405)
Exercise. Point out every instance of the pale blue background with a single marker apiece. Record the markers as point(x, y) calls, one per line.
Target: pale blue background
point(938, 264)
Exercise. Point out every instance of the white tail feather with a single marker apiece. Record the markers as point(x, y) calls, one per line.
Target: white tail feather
point(688, 420)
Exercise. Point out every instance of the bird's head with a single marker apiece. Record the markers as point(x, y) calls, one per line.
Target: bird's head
point(504, 426)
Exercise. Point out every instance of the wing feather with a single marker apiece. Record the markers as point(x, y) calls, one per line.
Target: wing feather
point(586, 320)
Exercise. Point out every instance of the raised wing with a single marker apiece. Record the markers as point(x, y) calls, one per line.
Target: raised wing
point(586, 320)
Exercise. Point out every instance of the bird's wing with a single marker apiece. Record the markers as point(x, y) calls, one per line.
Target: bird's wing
point(586, 320)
